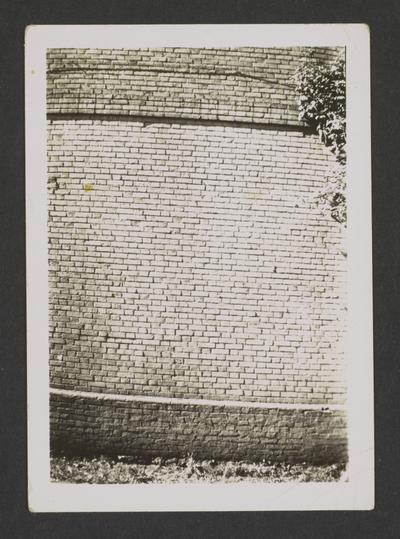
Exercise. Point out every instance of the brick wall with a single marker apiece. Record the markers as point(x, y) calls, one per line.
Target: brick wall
point(246, 84)
point(187, 255)
point(85, 426)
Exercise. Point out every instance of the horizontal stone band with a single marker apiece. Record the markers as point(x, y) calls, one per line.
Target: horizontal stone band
point(196, 402)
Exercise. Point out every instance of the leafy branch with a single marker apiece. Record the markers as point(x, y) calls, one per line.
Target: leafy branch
point(321, 89)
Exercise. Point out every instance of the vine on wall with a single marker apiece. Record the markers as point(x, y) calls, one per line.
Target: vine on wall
point(321, 89)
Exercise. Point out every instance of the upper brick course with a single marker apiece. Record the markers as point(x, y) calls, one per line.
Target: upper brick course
point(245, 85)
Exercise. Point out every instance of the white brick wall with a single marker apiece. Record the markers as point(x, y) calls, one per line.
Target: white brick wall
point(189, 260)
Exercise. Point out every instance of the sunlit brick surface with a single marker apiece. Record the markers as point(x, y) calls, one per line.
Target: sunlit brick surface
point(187, 255)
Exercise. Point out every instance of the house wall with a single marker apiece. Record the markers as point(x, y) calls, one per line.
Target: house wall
point(188, 259)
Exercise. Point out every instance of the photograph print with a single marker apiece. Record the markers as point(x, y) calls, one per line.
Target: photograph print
point(197, 244)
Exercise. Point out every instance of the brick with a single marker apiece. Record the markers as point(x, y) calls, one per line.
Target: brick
point(83, 426)
point(197, 264)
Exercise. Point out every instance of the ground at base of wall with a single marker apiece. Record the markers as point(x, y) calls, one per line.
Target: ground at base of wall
point(122, 470)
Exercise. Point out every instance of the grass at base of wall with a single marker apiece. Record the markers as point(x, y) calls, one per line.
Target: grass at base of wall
point(122, 470)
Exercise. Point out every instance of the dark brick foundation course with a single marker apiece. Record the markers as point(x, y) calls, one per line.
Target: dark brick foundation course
point(89, 426)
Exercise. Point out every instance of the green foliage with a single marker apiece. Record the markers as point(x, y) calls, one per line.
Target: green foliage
point(333, 197)
point(321, 89)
